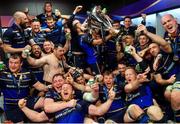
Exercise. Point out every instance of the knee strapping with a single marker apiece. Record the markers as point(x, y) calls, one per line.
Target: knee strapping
point(143, 118)
point(129, 113)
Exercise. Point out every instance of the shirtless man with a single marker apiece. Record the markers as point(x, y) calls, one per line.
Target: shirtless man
point(52, 63)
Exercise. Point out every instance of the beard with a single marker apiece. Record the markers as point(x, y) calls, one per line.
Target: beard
point(37, 55)
point(23, 25)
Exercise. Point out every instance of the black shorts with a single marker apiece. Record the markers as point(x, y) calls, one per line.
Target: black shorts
point(117, 116)
point(79, 61)
point(31, 101)
point(15, 115)
point(95, 68)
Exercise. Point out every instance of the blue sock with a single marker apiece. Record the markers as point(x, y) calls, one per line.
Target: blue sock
point(177, 116)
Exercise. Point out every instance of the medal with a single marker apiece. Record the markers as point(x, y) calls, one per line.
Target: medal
point(175, 57)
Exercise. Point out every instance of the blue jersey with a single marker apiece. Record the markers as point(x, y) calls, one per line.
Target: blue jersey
point(175, 42)
point(88, 49)
point(118, 107)
point(166, 66)
point(106, 52)
point(129, 31)
point(119, 79)
point(78, 94)
point(42, 18)
point(141, 97)
point(15, 87)
point(39, 38)
point(175, 45)
point(111, 46)
point(140, 48)
point(38, 72)
point(119, 101)
point(52, 94)
point(73, 115)
point(16, 37)
point(130, 60)
point(55, 35)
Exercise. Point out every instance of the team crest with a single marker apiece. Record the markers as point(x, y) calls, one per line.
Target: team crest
point(18, 34)
point(9, 76)
point(24, 76)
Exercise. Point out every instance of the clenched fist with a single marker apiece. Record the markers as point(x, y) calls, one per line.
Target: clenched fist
point(22, 103)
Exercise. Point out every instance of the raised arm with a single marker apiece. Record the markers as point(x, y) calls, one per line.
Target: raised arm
point(103, 108)
point(97, 41)
point(50, 106)
point(69, 19)
point(35, 62)
point(134, 54)
point(158, 78)
point(141, 78)
point(84, 88)
point(131, 86)
point(8, 49)
point(41, 87)
point(155, 38)
point(34, 116)
point(68, 39)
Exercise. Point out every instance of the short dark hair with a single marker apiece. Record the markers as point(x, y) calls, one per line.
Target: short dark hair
point(122, 62)
point(76, 75)
point(142, 34)
point(35, 45)
point(116, 21)
point(56, 75)
point(16, 56)
point(58, 45)
point(127, 17)
point(35, 20)
point(107, 73)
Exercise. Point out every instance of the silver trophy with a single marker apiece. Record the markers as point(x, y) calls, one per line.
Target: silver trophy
point(98, 19)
